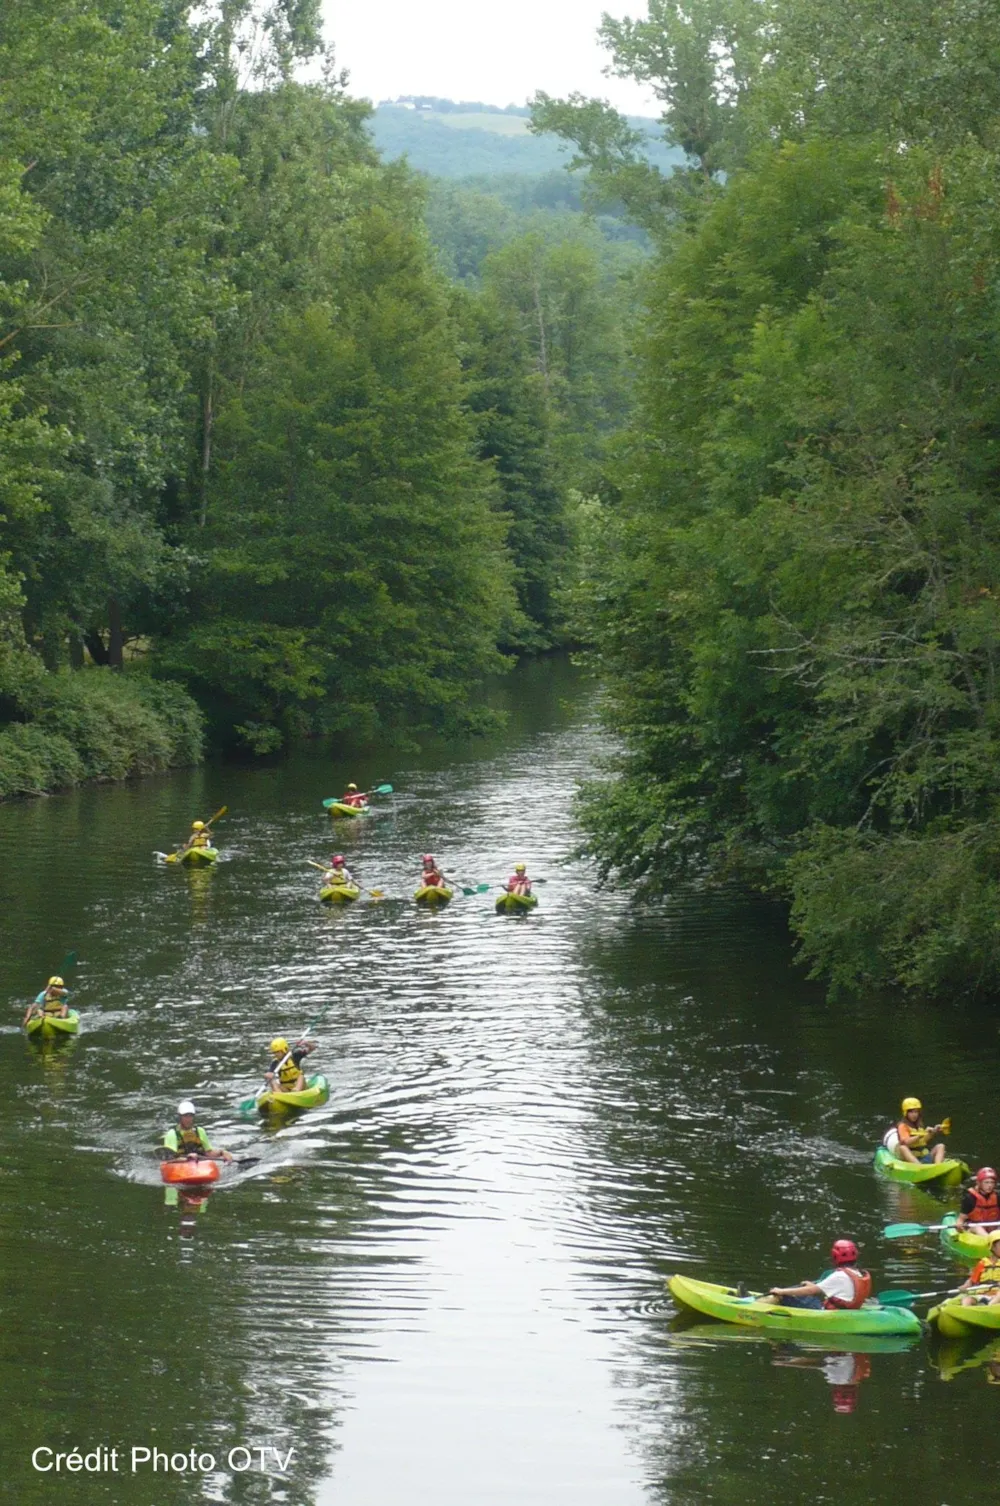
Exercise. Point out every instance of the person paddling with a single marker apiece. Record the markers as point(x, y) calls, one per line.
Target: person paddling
point(199, 836)
point(285, 1074)
point(845, 1288)
point(911, 1139)
point(188, 1139)
point(338, 875)
point(431, 876)
point(519, 882)
point(985, 1272)
point(51, 1001)
point(980, 1203)
point(354, 797)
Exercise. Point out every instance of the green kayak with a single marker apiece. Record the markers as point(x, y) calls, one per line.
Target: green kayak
point(433, 894)
point(195, 857)
point(512, 904)
point(968, 1244)
point(315, 1092)
point(953, 1321)
point(339, 894)
point(340, 811)
point(947, 1173)
point(48, 1027)
point(754, 1311)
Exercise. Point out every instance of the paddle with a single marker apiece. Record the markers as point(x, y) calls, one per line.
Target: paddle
point(323, 868)
point(247, 1105)
point(476, 889)
point(380, 789)
point(898, 1297)
point(913, 1231)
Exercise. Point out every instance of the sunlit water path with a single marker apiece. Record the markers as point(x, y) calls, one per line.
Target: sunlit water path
point(446, 1286)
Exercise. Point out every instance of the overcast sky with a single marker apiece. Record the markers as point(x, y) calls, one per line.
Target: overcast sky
point(498, 51)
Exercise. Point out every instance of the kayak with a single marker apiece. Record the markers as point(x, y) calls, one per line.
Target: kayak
point(198, 857)
point(351, 812)
point(965, 1244)
point(947, 1172)
point(189, 1172)
point(433, 894)
point(724, 1303)
point(685, 1332)
point(339, 894)
point(47, 1027)
point(511, 904)
point(953, 1321)
point(315, 1092)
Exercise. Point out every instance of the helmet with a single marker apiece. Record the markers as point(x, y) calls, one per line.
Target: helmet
point(197, 826)
point(279, 1045)
point(338, 861)
point(352, 788)
point(56, 983)
point(994, 1237)
point(844, 1398)
point(185, 1107)
point(911, 1103)
point(428, 860)
point(844, 1252)
point(984, 1172)
point(519, 868)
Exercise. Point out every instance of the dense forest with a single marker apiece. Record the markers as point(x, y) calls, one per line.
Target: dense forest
point(793, 565)
point(270, 465)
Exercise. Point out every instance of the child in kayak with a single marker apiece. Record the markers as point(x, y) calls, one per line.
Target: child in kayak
point(984, 1271)
point(844, 1289)
point(911, 1139)
point(431, 877)
point(51, 1001)
point(285, 1074)
point(980, 1203)
point(354, 797)
point(189, 1139)
point(338, 875)
point(519, 882)
point(199, 836)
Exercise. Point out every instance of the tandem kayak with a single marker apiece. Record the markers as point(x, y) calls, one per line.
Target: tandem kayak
point(339, 894)
point(351, 812)
point(190, 1172)
point(511, 904)
point(48, 1027)
point(953, 1321)
point(197, 857)
point(753, 1311)
point(965, 1244)
point(315, 1092)
point(946, 1173)
point(433, 894)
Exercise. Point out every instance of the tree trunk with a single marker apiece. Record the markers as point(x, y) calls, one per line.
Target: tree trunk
point(96, 647)
point(115, 642)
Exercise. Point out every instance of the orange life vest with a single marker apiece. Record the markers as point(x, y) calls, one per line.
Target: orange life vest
point(987, 1209)
point(862, 1284)
point(985, 1270)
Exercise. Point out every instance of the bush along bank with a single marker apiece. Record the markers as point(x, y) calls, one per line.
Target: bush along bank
point(96, 724)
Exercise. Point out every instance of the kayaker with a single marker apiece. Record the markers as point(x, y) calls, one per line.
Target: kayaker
point(910, 1140)
point(432, 877)
point(983, 1273)
point(519, 882)
point(338, 874)
point(189, 1139)
point(845, 1288)
point(980, 1203)
point(199, 836)
point(285, 1074)
point(51, 1001)
point(354, 797)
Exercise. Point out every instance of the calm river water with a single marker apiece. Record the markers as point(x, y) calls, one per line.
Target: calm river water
point(445, 1288)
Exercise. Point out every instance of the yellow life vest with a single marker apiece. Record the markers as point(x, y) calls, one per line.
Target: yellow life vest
point(988, 1270)
point(288, 1074)
point(914, 1139)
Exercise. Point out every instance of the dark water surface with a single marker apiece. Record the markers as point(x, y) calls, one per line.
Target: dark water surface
point(445, 1288)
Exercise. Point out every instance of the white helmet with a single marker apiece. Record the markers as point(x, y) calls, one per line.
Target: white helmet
point(187, 1107)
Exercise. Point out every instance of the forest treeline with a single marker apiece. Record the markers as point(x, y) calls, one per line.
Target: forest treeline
point(793, 574)
point(263, 465)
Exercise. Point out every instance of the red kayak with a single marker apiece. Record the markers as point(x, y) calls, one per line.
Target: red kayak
point(189, 1172)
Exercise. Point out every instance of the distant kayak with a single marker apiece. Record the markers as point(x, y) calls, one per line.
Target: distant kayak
point(315, 1092)
point(953, 1321)
point(753, 1311)
point(971, 1243)
point(189, 1172)
point(510, 904)
point(433, 894)
point(946, 1173)
point(198, 857)
point(339, 894)
point(350, 812)
point(48, 1027)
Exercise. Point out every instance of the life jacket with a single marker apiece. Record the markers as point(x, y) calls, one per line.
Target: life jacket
point(986, 1270)
point(432, 879)
point(336, 877)
point(862, 1284)
point(53, 1004)
point(200, 839)
point(357, 800)
point(913, 1139)
point(288, 1072)
point(187, 1141)
point(519, 883)
point(987, 1209)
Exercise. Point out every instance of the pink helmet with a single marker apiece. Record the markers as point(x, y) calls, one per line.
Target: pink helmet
point(844, 1252)
point(428, 860)
point(338, 861)
point(984, 1172)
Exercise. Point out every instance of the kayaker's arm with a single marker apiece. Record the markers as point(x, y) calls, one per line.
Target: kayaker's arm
point(804, 1289)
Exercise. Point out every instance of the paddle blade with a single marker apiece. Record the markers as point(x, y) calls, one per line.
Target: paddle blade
point(218, 815)
point(332, 801)
point(382, 789)
point(946, 1126)
point(904, 1231)
point(68, 963)
point(247, 1106)
point(900, 1298)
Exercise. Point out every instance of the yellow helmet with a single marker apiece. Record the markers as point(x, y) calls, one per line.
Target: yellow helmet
point(56, 983)
point(351, 787)
point(197, 826)
point(519, 868)
point(911, 1103)
point(279, 1045)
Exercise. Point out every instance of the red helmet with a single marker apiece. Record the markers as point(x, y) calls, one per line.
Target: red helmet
point(428, 860)
point(984, 1172)
point(338, 861)
point(845, 1398)
point(844, 1252)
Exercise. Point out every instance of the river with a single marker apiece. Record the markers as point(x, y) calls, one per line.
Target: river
point(446, 1287)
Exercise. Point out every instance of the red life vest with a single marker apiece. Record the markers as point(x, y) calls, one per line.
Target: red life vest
point(862, 1284)
point(356, 800)
point(987, 1209)
point(432, 879)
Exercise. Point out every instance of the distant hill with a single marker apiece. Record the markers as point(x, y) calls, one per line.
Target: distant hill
point(463, 139)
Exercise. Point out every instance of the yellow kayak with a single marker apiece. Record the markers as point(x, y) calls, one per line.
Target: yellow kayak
point(197, 857)
point(953, 1321)
point(47, 1027)
point(339, 894)
point(513, 904)
point(433, 894)
point(315, 1092)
